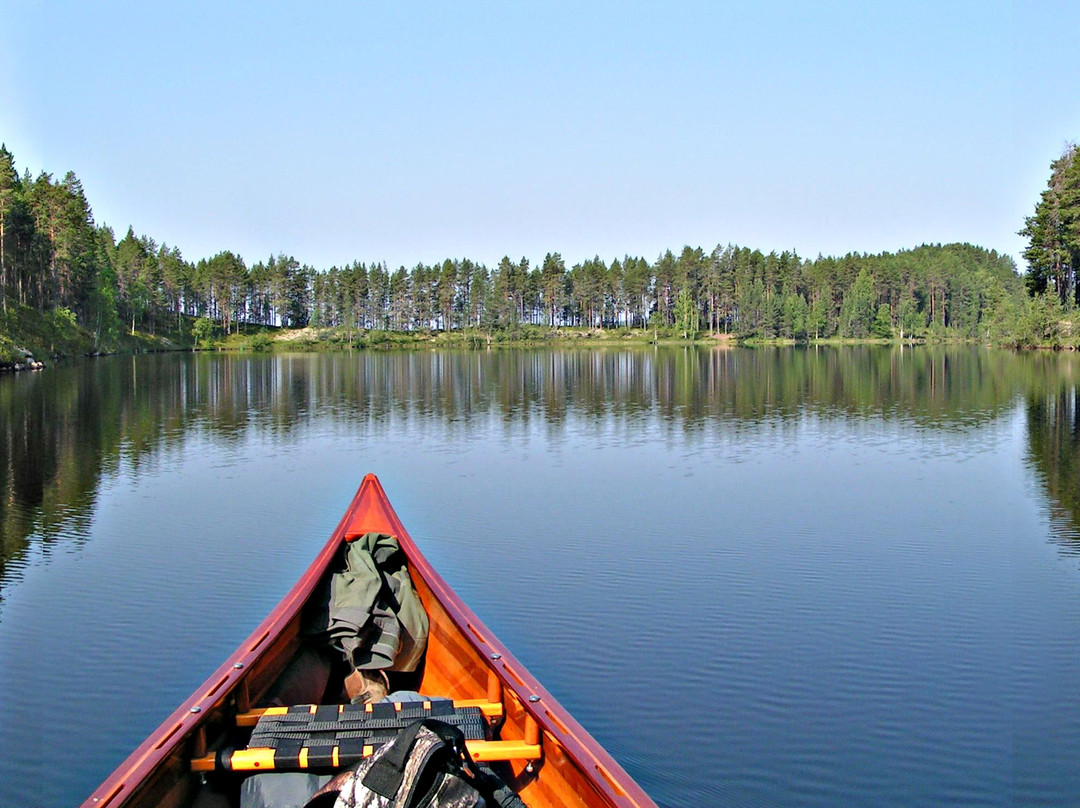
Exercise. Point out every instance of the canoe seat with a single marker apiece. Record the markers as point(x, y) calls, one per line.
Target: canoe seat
point(332, 736)
point(353, 726)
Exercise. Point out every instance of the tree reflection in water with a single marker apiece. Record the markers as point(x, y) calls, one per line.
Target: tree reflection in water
point(62, 430)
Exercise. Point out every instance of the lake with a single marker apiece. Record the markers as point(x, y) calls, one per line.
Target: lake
point(792, 577)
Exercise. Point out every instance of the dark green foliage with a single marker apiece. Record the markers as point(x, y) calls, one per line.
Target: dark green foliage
point(882, 325)
point(1038, 322)
point(1053, 252)
point(856, 314)
point(794, 316)
point(9, 198)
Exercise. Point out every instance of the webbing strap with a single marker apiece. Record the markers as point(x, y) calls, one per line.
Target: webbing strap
point(329, 725)
point(385, 775)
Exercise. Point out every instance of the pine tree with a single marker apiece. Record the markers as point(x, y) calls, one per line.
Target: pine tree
point(552, 281)
point(9, 186)
point(882, 325)
point(857, 312)
point(1053, 231)
point(686, 314)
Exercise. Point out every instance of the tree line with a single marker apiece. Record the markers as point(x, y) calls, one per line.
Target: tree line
point(54, 256)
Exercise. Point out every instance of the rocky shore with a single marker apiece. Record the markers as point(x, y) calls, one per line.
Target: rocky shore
point(26, 363)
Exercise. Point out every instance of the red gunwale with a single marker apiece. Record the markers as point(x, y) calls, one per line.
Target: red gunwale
point(370, 510)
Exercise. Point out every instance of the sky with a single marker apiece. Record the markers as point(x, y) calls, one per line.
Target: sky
point(411, 132)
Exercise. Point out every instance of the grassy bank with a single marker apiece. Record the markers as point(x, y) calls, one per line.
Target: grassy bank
point(1059, 334)
point(43, 335)
point(336, 338)
point(54, 334)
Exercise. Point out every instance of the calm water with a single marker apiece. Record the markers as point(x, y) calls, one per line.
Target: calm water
point(793, 577)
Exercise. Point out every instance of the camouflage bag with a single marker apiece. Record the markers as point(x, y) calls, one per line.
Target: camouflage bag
point(426, 766)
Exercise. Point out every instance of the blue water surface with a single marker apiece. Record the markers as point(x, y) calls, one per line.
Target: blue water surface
point(798, 577)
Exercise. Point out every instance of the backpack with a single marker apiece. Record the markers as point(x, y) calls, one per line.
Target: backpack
point(426, 766)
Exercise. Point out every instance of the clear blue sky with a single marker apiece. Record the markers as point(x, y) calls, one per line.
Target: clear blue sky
point(412, 132)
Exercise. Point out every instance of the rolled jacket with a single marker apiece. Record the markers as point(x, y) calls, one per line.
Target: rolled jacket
point(371, 612)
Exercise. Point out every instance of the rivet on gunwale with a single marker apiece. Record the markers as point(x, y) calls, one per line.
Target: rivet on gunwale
point(533, 699)
point(195, 710)
point(496, 656)
point(238, 665)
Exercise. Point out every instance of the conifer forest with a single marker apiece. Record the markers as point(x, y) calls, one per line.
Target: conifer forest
point(54, 257)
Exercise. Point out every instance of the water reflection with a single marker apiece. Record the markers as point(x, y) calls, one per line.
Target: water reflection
point(62, 430)
point(1053, 449)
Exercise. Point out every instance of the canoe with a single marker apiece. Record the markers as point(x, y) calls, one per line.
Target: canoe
point(543, 753)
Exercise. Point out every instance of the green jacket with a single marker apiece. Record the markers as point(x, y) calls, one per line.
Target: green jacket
point(372, 613)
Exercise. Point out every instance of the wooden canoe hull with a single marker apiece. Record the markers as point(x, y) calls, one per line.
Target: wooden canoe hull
point(464, 660)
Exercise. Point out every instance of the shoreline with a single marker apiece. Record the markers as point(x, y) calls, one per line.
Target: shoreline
point(21, 350)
